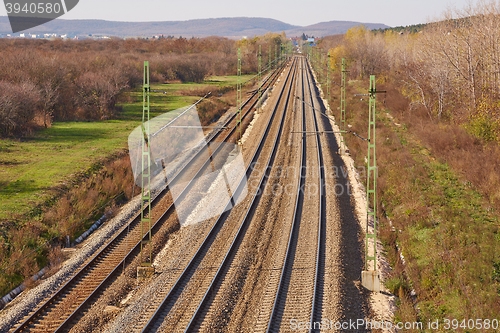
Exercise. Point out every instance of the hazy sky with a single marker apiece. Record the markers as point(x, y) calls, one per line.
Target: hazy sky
point(390, 12)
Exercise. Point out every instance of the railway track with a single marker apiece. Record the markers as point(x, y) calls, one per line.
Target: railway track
point(318, 294)
point(299, 292)
point(262, 271)
point(172, 311)
point(298, 289)
point(60, 311)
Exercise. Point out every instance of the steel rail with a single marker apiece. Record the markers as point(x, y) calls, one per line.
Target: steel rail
point(316, 312)
point(280, 296)
point(286, 273)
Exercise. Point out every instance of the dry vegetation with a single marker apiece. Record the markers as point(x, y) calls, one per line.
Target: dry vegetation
point(28, 243)
point(46, 81)
point(81, 80)
point(437, 151)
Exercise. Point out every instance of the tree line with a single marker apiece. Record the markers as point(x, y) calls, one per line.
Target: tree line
point(42, 81)
point(450, 69)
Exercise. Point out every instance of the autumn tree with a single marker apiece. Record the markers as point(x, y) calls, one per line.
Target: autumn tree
point(98, 91)
point(365, 50)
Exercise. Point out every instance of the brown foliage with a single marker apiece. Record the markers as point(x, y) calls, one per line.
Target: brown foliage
point(71, 80)
point(437, 155)
point(81, 80)
point(17, 107)
point(210, 110)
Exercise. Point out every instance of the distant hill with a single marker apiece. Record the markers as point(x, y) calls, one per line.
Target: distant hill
point(236, 27)
point(331, 28)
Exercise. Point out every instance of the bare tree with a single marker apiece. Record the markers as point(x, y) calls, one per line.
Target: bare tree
point(18, 104)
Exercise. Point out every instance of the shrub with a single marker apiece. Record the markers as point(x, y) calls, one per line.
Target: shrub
point(484, 127)
point(18, 103)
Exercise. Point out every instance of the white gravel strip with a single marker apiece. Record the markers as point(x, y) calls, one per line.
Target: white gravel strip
point(383, 304)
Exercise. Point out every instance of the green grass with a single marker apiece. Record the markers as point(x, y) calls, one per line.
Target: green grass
point(31, 168)
point(455, 246)
point(447, 233)
point(230, 80)
point(163, 98)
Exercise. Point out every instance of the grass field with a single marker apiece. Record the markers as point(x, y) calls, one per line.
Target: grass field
point(31, 168)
